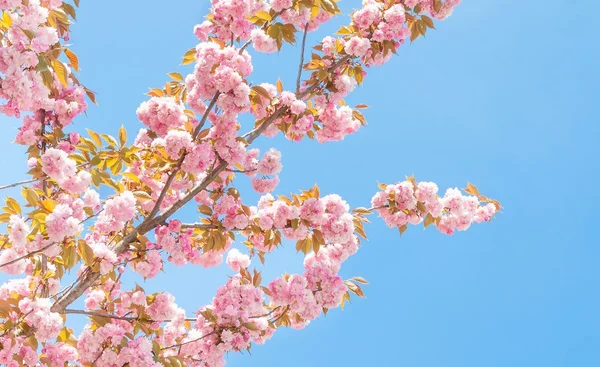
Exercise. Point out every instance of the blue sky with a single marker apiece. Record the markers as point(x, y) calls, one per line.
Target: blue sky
point(504, 95)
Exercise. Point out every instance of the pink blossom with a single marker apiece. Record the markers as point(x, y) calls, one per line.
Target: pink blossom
point(57, 165)
point(357, 46)
point(61, 223)
point(265, 185)
point(121, 207)
point(279, 5)
point(236, 260)
point(177, 140)
point(262, 42)
point(270, 164)
point(161, 114)
point(94, 298)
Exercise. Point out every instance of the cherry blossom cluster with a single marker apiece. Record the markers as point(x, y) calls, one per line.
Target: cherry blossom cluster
point(23, 87)
point(190, 149)
point(59, 167)
point(444, 9)
point(410, 203)
point(43, 324)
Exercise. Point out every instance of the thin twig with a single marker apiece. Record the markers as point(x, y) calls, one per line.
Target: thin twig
point(281, 315)
point(27, 255)
point(267, 314)
point(44, 187)
point(177, 167)
point(116, 317)
point(301, 59)
point(21, 183)
point(190, 341)
point(199, 226)
point(91, 216)
point(150, 223)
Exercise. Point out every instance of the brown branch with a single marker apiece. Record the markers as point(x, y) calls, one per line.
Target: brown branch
point(267, 314)
point(190, 341)
point(177, 168)
point(199, 226)
point(301, 59)
point(205, 116)
point(91, 216)
point(44, 187)
point(21, 183)
point(149, 223)
point(287, 308)
point(99, 355)
point(27, 255)
point(116, 317)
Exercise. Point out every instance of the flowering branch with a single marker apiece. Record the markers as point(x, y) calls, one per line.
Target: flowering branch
point(189, 341)
point(27, 255)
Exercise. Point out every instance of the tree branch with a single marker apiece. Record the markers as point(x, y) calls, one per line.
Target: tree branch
point(27, 255)
point(282, 314)
point(21, 183)
point(298, 78)
point(44, 187)
point(177, 168)
point(149, 223)
point(199, 226)
point(190, 341)
point(116, 317)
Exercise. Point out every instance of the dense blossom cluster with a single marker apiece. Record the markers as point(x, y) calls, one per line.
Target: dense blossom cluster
point(24, 88)
point(190, 150)
point(409, 203)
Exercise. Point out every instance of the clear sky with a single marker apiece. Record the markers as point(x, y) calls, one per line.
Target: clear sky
point(504, 94)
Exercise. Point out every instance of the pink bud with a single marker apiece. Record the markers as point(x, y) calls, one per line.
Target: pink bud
point(74, 138)
point(174, 226)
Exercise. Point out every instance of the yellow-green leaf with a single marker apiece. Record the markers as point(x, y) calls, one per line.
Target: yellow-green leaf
point(95, 136)
point(61, 72)
point(6, 19)
point(263, 15)
point(176, 76)
point(189, 57)
point(86, 252)
point(73, 60)
point(14, 205)
point(122, 135)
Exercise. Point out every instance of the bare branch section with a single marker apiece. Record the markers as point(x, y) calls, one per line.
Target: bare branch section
point(44, 187)
point(19, 183)
point(299, 77)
